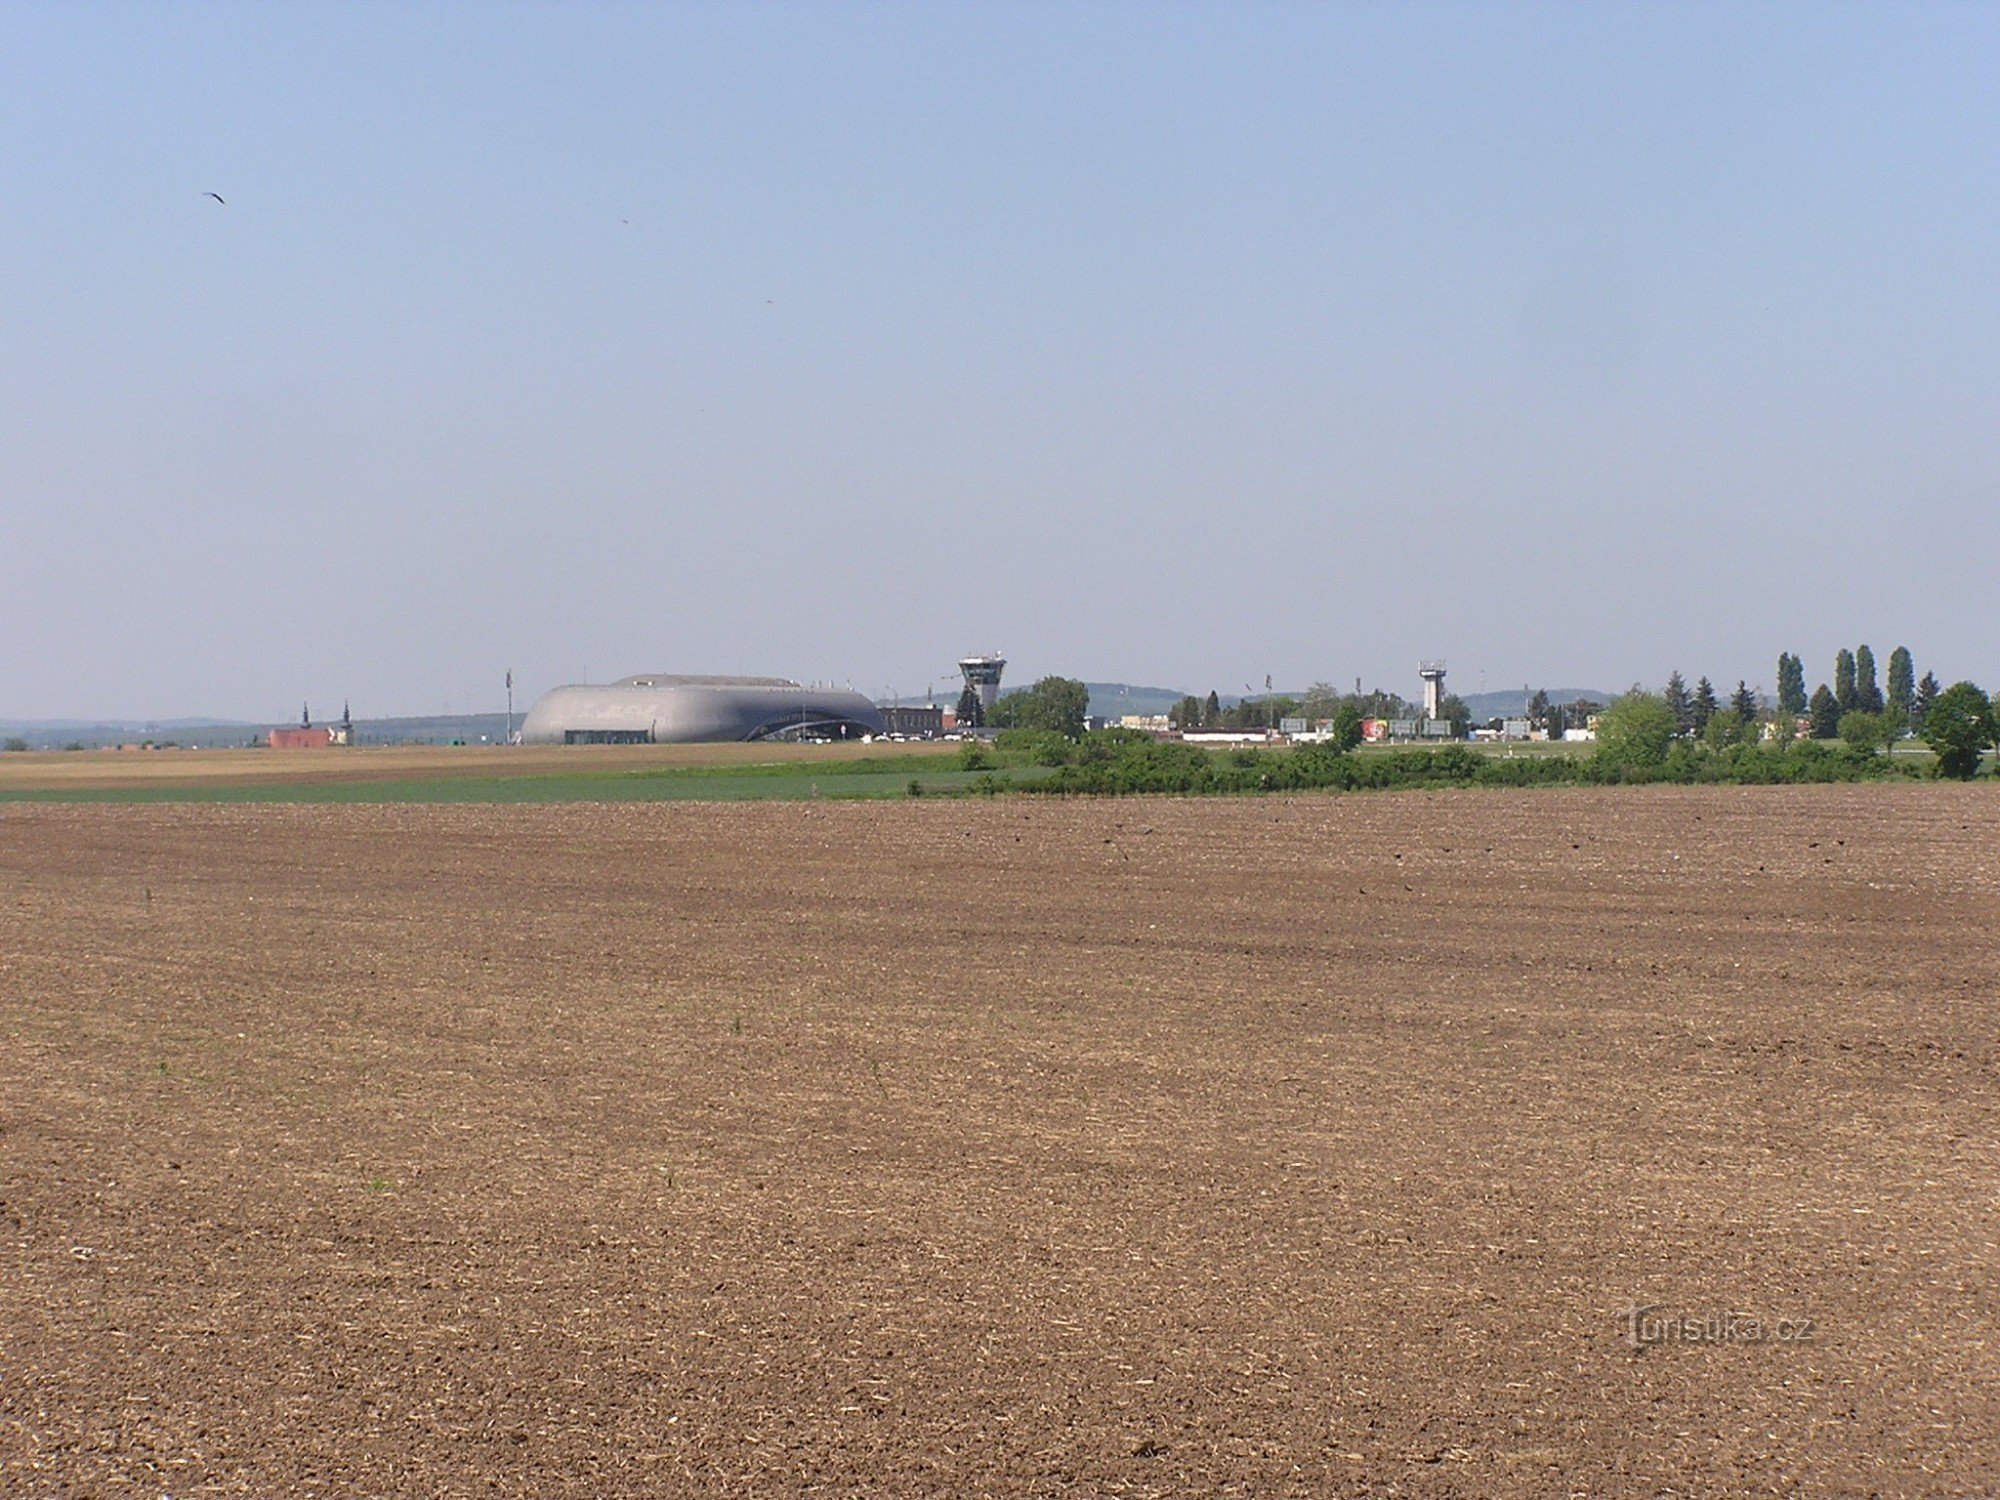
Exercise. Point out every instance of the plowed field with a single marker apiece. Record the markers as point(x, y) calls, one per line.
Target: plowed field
point(1005, 1147)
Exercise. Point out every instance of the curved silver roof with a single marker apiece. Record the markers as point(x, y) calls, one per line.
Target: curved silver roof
point(671, 708)
point(676, 680)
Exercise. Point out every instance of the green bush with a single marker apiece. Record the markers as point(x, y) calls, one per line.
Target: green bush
point(1958, 726)
point(1042, 747)
point(1143, 765)
point(1634, 734)
point(1864, 731)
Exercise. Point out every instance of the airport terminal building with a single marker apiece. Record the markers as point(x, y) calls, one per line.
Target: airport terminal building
point(656, 709)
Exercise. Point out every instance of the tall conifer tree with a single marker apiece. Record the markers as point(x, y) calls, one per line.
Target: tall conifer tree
point(1704, 705)
point(1679, 703)
point(1867, 695)
point(1791, 684)
point(1902, 685)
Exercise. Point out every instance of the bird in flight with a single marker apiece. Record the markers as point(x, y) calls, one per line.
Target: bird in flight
point(217, 197)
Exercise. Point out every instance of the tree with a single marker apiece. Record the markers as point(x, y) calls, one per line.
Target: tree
point(1743, 703)
point(1825, 711)
point(1927, 693)
point(1843, 682)
point(1725, 727)
point(1055, 705)
point(1958, 726)
point(1267, 711)
point(1633, 734)
point(1320, 702)
point(1378, 704)
point(1211, 711)
point(1452, 709)
point(1865, 731)
point(1186, 714)
point(1867, 696)
point(1791, 684)
point(1346, 727)
point(970, 713)
point(1902, 686)
point(1679, 704)
point(1704, 704)
point(1539, 708)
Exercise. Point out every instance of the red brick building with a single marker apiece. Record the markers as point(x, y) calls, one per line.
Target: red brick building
point(300, 738)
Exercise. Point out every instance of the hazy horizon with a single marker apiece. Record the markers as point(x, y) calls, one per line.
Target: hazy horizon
point(1177, 345)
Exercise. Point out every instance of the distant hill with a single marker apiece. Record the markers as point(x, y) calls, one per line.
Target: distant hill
point(55, 734)
point(437, 729)
point(210, 734)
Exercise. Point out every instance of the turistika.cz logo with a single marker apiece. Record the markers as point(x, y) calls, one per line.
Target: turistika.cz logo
point(1646, 1327)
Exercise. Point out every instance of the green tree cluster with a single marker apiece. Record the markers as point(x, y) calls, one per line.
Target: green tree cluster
point(1054, 705)
point(1855, 690)
point(1959, 726)
point(1111, 762)
point(1692, 710)
point(1633, 733)
point(1320, 703)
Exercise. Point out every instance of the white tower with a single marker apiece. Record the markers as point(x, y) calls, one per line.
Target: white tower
point(982, 675)
point(1432, 673)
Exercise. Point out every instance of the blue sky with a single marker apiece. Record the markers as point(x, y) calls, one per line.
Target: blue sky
point(1177, 344)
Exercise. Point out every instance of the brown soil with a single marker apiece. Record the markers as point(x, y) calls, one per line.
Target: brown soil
point(1012, 1147)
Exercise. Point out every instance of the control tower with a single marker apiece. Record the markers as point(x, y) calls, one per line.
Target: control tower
point(982, 675)
point(1432, 673)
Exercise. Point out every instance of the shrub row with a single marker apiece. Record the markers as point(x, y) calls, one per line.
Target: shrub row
point(1104, 766)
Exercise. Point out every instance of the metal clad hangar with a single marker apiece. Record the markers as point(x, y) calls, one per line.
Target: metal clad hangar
point(656, 709)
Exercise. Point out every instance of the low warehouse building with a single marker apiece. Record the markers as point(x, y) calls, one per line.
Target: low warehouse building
point(660, 710)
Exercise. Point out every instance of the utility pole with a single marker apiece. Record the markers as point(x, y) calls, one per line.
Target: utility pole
point(510, 706)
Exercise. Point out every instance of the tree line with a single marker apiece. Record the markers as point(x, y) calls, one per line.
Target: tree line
point(1643, 730)
point(1673, 733)
point(1887, 715)
point(1320, 703)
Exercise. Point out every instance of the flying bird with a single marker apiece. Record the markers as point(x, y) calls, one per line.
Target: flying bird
point(217, 197)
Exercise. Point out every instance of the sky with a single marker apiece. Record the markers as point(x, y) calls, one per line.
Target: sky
point(1175, 344)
